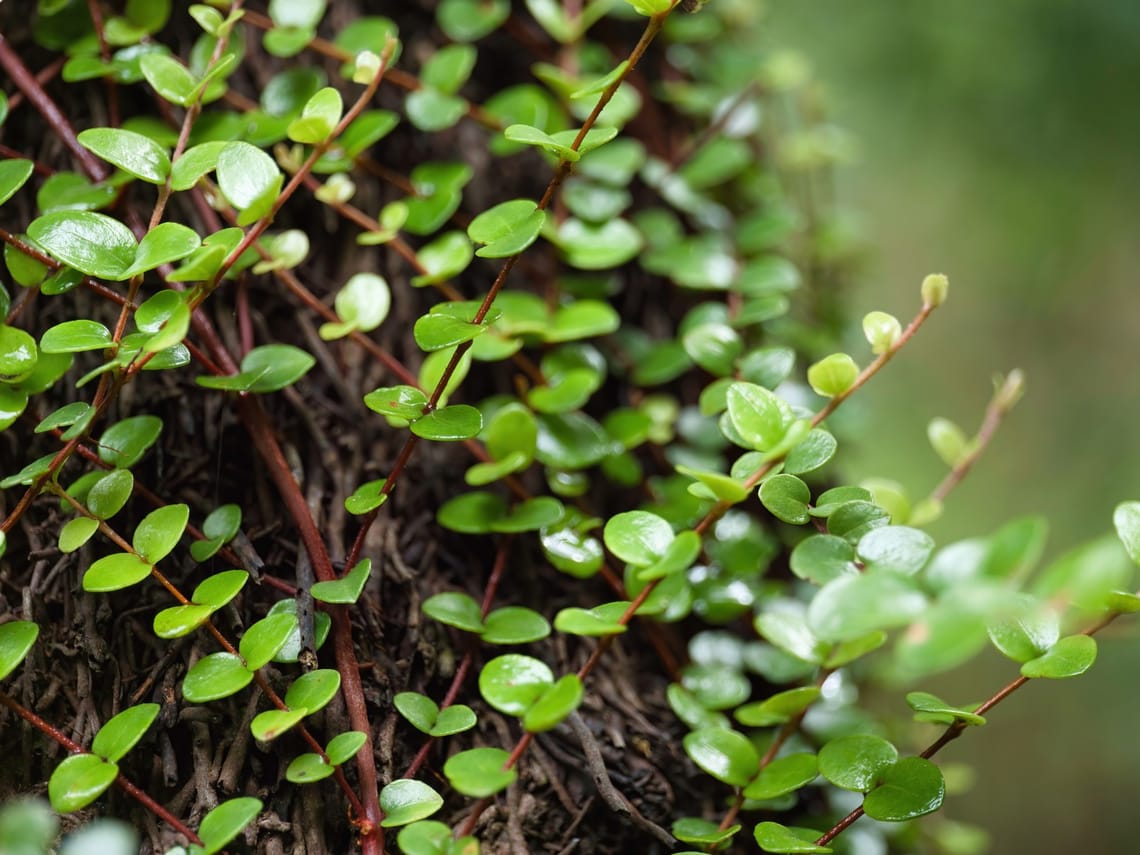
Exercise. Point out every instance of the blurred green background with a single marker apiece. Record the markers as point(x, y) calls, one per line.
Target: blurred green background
point(999, 143)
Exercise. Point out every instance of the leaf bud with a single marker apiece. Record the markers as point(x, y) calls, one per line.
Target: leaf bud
point(947, 440)
point(833, 375)
point(882, 331)
point(934, 289)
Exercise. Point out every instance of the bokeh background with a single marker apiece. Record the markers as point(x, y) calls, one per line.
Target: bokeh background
point(999, 142)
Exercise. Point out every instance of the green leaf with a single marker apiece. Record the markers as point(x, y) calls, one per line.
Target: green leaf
point(160, 531)
point(454, 609)
point(849, 651)
point(449, 68)
point(268, 725)
point(449, 424)
point(318, 118)
point(218, 675)
point(79, 780)
point(857, 761)
point(758, 415)
point(1072, 655)
point(308, 769)
point(169, 78)
point(423, 713)
point(405, 800)
point(14, 173)
point(437, 331)
point(362, 304)
point(479, 772)
point(531, 515)
point(777, 709)
point(506, 229)
point(219, 589)
point(470, 20)
point(554, 705)
point(18, 354)
point(177, 621)
point(124, 443)
point(1126, 520)
point(725, 754)
point(90, 242)
point(313, 690)
point(110, 493)
point(347, 589)
point(932, 708)
point(472, 513)
point(114, 572)
point(716, 685)
point(782, 776)
point(512, 683)
point(226, 821)
point(268, 368)
point(817, 448)
point(786, 496)
point(133, 153)
point(367, 497)
point(1087, 575)
point(249, 179)
point(431, 110)
point(69, 191)
point(767, 366)
point(75, 337)
point(13, 402)
point(833, 375)
point(638, 537)
point(265, 638)
point(403, 402)
point(948, 441)
point(895, 548)
point(163, 244)
point(16, 639)
point(910, 788)
point(714, 347)
point(121, 732)
point(823, 557)
point(852, 606)
point(220, 526)
point(570, 441)
point(444, 258)
point(581, 319)
point(677, 557)
point(1028, 634)
point(514, 625)
point(77, 532)
point(572, 551)
point(789, 631)
point(772, 836)
point(561, 143)
point(343, 747)
point(852, 520)
point(600, 620)
point(691, 711)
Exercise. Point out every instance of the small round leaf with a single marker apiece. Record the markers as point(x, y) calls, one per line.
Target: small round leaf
point(406, 800)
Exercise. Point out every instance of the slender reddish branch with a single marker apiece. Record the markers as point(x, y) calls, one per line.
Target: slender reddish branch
point(47, 108)
point(998, 408)
point(123, 783)
point(958, 728)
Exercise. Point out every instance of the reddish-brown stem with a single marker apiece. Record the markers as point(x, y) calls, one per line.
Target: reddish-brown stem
point(125, 785)
point(47, 108)
point(955, 730)
point(997, 409)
